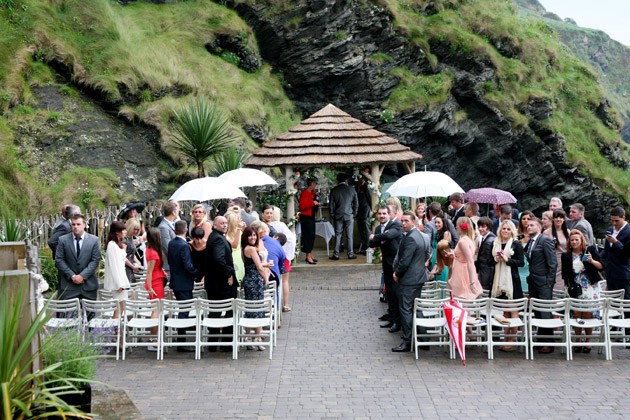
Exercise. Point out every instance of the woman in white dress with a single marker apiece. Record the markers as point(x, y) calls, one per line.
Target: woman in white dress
point(115, 256)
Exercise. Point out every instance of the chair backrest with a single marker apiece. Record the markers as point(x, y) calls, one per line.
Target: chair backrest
point(137, 286)
point(140, 307)
point(199, 293)
point(619, 305)
point(587, 305)
point(105, 294)
point(558, 294)
point(174, 307)
point(198, 286)
point(485, 294)
point(431, 294)
point(475, 305)
point(615, 294)
point(70, 307)
point(263, 306)
point(603, 285)
point(433, 305)
point(505, 305)
point(140, 294)
point(219, 306)
point(430, 285)
point(442, 284)
point(100, 308)
point(543, 305)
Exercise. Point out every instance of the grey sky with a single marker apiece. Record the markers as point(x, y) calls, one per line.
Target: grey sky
point(611, 16)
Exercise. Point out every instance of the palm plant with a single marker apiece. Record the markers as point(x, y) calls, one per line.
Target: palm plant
point(12, 230)
point(201, 131)
point(228, 160)
point(20, 390)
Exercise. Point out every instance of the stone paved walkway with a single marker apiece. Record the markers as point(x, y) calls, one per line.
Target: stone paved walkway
point(333, 361)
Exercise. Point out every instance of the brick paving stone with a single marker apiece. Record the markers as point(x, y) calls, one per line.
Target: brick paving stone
point(333, 361)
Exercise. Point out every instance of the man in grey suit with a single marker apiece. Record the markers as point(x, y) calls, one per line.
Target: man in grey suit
point(576, 214)
point(62, 227)
point(410, 274)
point(344, 206)
point(167, 229)
point(435, 209)
point(77, 257)
point(541, 254)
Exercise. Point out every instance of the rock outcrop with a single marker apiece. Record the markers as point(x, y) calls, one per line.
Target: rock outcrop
point(326, 58)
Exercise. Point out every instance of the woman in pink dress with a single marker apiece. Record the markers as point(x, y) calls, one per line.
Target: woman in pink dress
point(463, 279)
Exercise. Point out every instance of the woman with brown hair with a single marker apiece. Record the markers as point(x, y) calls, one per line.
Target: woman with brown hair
point(581, 264)
point(308, 207)
point(154, 283)
point(559, 232)
point(115, 256)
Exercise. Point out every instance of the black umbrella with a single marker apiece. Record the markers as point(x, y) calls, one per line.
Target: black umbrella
point(128, 207)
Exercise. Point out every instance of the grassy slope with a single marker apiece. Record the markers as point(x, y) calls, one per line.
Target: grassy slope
point(137, 49)
point(541, 68)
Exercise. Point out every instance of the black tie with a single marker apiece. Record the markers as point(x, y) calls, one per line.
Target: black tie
point(78, 248)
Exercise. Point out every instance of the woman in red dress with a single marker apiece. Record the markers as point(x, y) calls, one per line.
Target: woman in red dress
point(307, 219)
point(155, 274)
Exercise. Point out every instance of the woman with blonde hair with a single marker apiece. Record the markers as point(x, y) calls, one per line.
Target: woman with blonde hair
point(396, 206)
point(463, 277)
point(199, 218)
point(507, 256)
point(233, 235)
point(547, 222)
point(132, 263)
point(421, 214)
point(289, 250)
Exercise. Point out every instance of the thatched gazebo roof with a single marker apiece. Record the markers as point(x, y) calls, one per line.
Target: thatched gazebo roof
point(331, 137)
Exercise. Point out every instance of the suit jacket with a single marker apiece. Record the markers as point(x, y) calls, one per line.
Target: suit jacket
point(168, 234)
point(496, 222)
point(364, 196)
point(617, 256)
point(183, 272)
point(344, 203)
point(591, 271)
point(456, 214)
point(485, 271)
point(86, 265)
point(585, 227)
point(62, 228)
point(412, 254)
point(430, 230)
point(388, 242)
point(219, 268)
point(542, 261)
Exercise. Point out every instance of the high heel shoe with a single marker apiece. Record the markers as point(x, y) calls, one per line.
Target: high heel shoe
point(586, 350)
point(310, 262)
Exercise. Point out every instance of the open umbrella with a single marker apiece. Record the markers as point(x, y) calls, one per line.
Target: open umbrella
point(248, 177)
point(489, 195)
point(455, 319)
point(424, 184)
point(208, 188)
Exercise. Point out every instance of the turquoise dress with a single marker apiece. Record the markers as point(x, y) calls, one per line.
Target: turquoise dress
point(443, 275)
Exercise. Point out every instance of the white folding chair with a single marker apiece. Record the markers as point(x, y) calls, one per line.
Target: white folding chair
point(477, 309)
point(442, 284)
point(554, 306)
point(597, 324)
point(429, 285)
point(135, 324)
point(103, 294)
point(271, 292)
point(172, 323)
point(612, 294)
point(497, 308)
point(616, 326)
point(105, 328)
point(266, 323)
point(558, 294)
point(434, 321)
point(216, 314)
point(64, 313)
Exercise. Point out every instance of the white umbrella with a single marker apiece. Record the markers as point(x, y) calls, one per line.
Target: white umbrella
point(248, 177)
point(208, 188)
point(424, 184)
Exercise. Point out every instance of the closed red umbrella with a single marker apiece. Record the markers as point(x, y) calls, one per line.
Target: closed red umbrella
point(489, 195)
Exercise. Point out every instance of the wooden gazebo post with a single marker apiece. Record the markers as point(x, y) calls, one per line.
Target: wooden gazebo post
point(410, 167)
point(288, 174)
point(376, 180)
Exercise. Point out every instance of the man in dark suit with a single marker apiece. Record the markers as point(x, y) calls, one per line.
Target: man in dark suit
point(505, 213)
point(344, 206)
point(387, 236)
point(485, 271)
point(167, 229)
point(183, 273)
point(77, 257)
point(617, 254)
point(220, 277)
point(542, 259)
point(365, 211)
point(410, 274)
point(62, 227)
point(457, 207)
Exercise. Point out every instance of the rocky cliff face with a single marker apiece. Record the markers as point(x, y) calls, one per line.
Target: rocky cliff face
point(323, 48)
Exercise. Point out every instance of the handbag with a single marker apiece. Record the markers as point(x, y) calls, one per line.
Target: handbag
point(574, 290)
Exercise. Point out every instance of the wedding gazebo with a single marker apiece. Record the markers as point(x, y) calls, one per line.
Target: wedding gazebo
point(332, 137)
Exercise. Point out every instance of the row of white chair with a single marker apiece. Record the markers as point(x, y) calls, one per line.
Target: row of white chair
point(133, 328)
point(608, 327)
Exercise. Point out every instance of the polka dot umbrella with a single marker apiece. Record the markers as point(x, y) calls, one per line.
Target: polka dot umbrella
point(489, 195)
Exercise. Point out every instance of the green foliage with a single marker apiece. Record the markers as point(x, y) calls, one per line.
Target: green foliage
point(49, 269)
point(228, 160)
point(460, 116)
point(380, 58)
point(279, 201)
point(145, 95)
point(201, 132)
point(387, 115)
point(93, 188)
point(12, 229)
point(21, 390)
point(53, 116)
point(68, 90)
point(418, 91)
point(341, 35)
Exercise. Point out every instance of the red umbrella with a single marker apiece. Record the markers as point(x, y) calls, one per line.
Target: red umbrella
point(456, 325)
point(489, 195)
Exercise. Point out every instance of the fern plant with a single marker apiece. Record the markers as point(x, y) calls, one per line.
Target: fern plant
point(228, 160)
point(12, 230)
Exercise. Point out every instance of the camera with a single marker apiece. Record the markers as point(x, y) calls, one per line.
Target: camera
point(519, 237)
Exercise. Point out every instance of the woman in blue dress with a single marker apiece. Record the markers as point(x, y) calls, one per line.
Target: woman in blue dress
point(439, 272)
